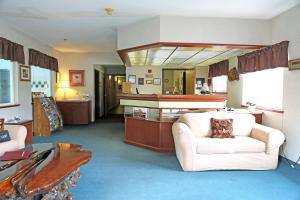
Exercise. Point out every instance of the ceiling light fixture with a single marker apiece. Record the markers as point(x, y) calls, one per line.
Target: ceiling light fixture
point(109, 11)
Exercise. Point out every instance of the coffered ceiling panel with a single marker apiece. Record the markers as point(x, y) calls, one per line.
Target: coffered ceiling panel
point(183, 56)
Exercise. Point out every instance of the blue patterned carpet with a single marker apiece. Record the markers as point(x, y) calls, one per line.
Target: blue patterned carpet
point(119, 171)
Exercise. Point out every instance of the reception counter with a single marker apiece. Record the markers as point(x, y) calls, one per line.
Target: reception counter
point(149, 118)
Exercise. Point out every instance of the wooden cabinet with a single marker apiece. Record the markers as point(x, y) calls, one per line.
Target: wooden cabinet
point(75, 112)
point(28, 125)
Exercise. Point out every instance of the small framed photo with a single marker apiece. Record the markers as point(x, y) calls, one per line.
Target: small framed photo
point(131, 79)
point(156, 81)
point(149, 82)
point(76, 77)
point(24, 73)
point(294, 64)
point(141, 81)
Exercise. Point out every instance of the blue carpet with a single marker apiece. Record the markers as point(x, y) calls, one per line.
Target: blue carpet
point(120, 171)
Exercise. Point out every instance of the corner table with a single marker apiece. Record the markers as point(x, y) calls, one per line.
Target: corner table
point(49, 173)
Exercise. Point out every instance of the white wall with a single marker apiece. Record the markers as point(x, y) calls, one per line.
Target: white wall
point(23, 89)
point(215, 30)
point(84, 61)
point(195, 30)
point(139, 33)
point(286, 27)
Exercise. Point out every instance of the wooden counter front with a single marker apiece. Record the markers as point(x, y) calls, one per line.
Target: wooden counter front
point(154, 135)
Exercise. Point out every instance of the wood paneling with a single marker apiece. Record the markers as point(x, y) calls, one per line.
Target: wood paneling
point(75, 112)
point(178, 98)
point(154, 135)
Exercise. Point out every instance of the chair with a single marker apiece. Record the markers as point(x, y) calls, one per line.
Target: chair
point(17, 134)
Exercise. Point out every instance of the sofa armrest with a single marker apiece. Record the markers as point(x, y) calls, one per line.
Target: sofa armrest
point(185, 145)
point(273, 138)
point(17, 133)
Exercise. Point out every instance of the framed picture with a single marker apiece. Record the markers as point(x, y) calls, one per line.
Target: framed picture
point(156, 81)
point(141, 81)
point(24, 73)
point(200, 82)
point(294, 64)
point(149, 82)
point(131, 79)
point(76, 77)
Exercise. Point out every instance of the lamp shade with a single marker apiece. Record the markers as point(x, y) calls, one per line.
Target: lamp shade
point(65, 84)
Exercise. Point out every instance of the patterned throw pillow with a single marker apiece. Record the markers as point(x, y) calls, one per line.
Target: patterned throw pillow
point(1, 124)
point(4, 136)
point(221, 128)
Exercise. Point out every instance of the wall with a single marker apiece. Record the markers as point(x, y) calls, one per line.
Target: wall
point(23, 89)
point(215, 30)
point(139, 33)
point(87, 62)
point(286, 27)
point(141, 71)
point(195, 30)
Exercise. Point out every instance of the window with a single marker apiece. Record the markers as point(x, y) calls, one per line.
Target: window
point(264, 88)
point(6, 82)
point(219, 84)
point(41, 80)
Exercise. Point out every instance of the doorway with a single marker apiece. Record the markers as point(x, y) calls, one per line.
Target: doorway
point(178, 81)
point(113, 87)
point(99, 93)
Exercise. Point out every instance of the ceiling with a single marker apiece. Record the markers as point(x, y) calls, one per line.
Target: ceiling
point(88, 29)
point(183, 56)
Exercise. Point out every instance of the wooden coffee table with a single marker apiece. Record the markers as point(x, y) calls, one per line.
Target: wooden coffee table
point(49, 173)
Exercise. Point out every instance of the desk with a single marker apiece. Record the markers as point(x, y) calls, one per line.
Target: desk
point(51, 171)
point(27, 124)
point(149, 118)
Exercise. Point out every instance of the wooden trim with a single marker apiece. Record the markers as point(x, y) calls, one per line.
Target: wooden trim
point(178, 98)
point(9, 106)
point(123, 53)
point(267, 109)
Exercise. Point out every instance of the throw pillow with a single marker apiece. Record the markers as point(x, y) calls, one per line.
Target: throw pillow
point(4, 136)
point(1, 124)
point(221, 128)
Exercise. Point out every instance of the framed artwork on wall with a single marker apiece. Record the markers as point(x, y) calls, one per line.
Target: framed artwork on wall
point(25, 74)
point(141, 81)
point(149, 82)
point(76, 77)
point(294, 64)
point(156, 81)
point(131, 79)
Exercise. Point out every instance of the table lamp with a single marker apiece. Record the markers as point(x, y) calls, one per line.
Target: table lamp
point(65, 86)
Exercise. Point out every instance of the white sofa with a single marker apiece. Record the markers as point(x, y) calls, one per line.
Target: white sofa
point(17, 134)
point(255, 147)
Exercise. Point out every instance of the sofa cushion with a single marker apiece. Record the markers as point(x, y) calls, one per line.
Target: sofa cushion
point(11, 145)
point(221, 128)
point(199, 123)
point(239, 144)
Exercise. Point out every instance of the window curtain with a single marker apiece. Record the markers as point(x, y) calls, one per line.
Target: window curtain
point(266, 58)
point(39, 59)
point(11, 51)
point(218, 69)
